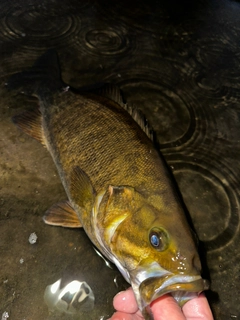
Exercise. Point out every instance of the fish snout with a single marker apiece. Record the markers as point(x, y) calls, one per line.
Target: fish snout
point(190, 264)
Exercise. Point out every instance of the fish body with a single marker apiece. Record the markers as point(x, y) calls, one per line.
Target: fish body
point(118, 186)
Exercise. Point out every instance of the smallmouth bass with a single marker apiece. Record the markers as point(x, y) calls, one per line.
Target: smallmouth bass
point(118, 186)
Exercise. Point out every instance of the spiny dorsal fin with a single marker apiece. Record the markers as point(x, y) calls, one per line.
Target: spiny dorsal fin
point(114, 93)
point(141, 120)
point(62, 214)
point(30, 122)
point(81, 189)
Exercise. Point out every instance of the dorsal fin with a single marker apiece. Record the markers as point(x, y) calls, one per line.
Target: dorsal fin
point(141, 120)
point(30, 122)
point(112, 92)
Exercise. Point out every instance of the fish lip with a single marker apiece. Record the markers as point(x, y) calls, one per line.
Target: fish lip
point(155, 287)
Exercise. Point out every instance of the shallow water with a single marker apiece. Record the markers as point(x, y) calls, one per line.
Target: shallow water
point(178, 63)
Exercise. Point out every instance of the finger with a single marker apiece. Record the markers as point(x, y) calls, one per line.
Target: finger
point(126, 316)
point(198, 308)
point(165, 308)
point(125, 301)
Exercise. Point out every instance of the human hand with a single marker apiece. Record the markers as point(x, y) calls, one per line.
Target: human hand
point(163, 308)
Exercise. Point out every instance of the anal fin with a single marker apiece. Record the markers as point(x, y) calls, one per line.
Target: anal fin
point(62, 214)
point(30, 122)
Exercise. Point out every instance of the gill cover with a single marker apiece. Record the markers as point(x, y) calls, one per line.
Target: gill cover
point(111, 208)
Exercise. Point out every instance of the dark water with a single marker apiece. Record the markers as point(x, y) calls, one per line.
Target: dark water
point(177, 61)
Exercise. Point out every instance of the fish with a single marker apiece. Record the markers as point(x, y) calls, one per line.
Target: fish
point(118, 185)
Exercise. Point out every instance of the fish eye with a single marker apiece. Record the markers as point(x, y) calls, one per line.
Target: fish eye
point(158, 238)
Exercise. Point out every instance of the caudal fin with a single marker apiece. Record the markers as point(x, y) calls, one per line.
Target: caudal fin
point(42, 78)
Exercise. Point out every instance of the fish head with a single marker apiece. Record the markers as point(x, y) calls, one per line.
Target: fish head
point(152, 245)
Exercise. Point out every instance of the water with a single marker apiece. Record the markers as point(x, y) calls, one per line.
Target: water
point(75, 297)
point(179, 63)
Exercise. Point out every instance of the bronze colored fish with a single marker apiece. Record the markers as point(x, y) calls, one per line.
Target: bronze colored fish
point(119, 188)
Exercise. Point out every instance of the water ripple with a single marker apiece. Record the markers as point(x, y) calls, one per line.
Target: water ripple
point(38, 26)
point(107, 41)
point(209, 193)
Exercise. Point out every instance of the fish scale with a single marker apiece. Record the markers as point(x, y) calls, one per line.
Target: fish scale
point(107, 131)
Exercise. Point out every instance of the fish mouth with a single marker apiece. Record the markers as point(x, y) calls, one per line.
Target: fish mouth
point(182, 287)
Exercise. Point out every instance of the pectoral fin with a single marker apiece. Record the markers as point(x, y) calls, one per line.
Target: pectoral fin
point(62, 214)
point(81, 189)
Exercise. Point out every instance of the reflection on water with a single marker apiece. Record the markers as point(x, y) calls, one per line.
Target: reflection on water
point(107, 263)
point(71, 298)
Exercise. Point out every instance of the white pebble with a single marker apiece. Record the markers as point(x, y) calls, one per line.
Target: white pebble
point(32, 238)
point(5, 315)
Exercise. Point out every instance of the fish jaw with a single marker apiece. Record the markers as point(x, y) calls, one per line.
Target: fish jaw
point(148, 286)
point(181, 287)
